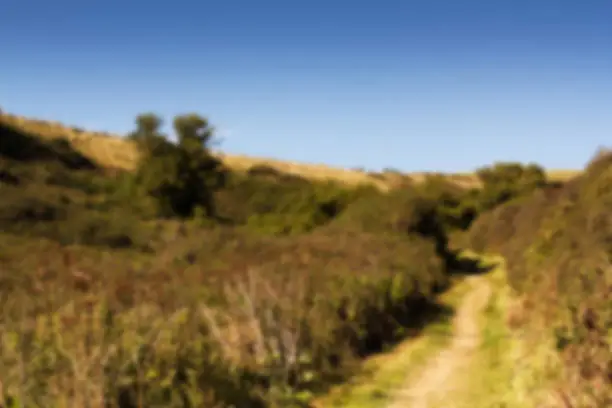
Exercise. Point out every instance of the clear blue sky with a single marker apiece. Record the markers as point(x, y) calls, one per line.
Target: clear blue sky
point(416, 85)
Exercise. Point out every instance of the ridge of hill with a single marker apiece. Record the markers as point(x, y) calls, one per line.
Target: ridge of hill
point(112, 151)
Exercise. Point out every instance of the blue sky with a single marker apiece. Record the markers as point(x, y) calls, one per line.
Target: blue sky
point(415, 85)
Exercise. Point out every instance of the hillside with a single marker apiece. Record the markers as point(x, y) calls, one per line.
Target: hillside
point(75, 236)
point(557, 246)
point(112, 151)
point(183, 283)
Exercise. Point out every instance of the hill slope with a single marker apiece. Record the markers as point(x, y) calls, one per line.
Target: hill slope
point(346, 272)
point(117, 290)
point(115, 152)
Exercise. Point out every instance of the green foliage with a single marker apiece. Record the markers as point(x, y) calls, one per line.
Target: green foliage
point(153, 314)
point(505, 181)
point(44, 213)
point(558, 244)
point(457, 207)
point(323, 290)
point(433, 210)
point(277, 293)
point(180, 177)
point(275, 204)
point(397, 212)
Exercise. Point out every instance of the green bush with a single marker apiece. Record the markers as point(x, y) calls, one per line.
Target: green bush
point(281, 205)
point(505, 181)
point(114, 230)
point(457, 207)
point(180, 177)
point(42, 211)
point(404, 212)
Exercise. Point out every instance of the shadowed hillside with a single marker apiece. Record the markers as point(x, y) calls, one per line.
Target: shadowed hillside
point(23, 146)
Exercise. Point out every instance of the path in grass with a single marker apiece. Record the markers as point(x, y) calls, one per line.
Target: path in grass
point(388, 377)
point(474, 360)
point(443, 372)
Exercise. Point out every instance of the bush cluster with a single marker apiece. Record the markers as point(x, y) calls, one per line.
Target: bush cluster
point(277, 296)
point(557, 243)
point(504, 181)
point(181, 176)
point(219, 317)
point(185, 284)
point(276, 204)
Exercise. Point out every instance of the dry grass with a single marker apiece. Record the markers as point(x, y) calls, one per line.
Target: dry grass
point(112, 151)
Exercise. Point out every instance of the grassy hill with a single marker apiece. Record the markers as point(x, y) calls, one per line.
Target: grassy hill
point(299, 275)
point(92, 277)
point(112, 151)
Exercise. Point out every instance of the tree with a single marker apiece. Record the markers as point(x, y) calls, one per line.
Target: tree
point(181, 176)
point(147, 134)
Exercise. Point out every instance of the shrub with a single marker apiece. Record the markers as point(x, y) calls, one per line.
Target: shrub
point(287, 205)
point(505, 181)
point(408, 211)
point(39, 211)
point(456, 206)
point(255, 319)
point(180, 177)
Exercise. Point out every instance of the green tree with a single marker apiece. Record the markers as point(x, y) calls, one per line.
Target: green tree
point(147, 134)
point(181, 176)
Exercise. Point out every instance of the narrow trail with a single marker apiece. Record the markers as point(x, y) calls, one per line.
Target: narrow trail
point(443, 373)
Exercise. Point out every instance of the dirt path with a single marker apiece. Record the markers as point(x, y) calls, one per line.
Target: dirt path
point(444, 372)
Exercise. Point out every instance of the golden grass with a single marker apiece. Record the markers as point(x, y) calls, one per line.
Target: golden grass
point(113, 151)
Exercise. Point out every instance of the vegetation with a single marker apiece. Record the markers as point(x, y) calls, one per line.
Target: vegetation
point(385, 373)
point(182, 281)
point(255, 299)
point(557, 246)
point(111, 151)
point(180, 177)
